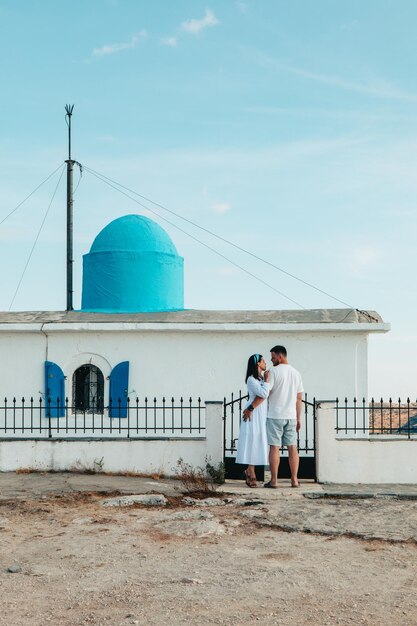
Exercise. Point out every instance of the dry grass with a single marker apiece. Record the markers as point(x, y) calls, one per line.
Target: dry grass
point(197, 482)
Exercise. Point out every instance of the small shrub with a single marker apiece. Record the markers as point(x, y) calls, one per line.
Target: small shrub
point(199, 481)
point(98, 465)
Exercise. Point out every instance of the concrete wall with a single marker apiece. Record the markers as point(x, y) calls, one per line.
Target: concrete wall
point(379, 459)
point(150, 455)
point(201, 361)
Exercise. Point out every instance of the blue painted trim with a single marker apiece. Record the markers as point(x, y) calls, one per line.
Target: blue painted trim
point(118, 390)
point(54, 390)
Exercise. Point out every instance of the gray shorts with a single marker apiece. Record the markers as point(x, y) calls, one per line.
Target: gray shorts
point(281, 432)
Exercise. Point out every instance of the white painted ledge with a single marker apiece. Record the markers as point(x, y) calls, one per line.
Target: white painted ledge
point(64, 327)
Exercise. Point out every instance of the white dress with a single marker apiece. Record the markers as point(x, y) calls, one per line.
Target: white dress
point(252, 447)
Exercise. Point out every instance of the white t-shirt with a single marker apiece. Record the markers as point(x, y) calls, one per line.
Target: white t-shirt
point(285, 382)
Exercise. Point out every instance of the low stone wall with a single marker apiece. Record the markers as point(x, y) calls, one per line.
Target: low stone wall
point(378, 459)
point(147, 456)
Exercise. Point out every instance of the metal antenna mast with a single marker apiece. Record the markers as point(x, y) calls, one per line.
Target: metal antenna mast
point(70, 167)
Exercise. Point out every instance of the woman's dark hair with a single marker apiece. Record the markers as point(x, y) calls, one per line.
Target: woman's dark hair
point(252, 369)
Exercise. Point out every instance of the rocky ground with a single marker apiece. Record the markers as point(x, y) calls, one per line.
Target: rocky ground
point(249, 557)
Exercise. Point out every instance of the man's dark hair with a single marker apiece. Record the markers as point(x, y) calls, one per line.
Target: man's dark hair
point(279, 350)
point(252, 369)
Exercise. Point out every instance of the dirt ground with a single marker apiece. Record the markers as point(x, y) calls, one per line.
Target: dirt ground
point(266, 559)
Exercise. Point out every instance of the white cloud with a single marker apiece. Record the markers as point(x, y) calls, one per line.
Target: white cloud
point(119, 47)
point(349, 25)
point(375, 87)
point(362, 258)
point(221, 207)
point(242, 6)
point(196, 26)
point(107, 138)
point(226, 270)
point(169, 41)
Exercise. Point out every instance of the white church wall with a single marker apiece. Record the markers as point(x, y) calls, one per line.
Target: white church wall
point(213, 364)
point(22, 362)
point(210, 364)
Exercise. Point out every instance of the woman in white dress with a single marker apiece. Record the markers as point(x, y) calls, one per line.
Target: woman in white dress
point(252, 447)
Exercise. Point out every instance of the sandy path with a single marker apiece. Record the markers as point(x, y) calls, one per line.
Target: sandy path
point(81, 563)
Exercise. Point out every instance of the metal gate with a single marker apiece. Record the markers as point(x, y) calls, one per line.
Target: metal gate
point(232, 415)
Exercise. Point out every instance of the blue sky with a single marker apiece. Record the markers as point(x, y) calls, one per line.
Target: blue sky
point(288, 127)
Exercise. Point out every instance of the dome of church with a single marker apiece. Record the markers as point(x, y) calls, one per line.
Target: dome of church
point(133, 233)
point(133, 266)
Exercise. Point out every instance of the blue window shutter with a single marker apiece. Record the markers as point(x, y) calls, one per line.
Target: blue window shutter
point(119, 381)
point(54, 390)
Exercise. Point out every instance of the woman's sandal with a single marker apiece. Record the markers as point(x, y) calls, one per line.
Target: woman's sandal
point(246, 477)
point(251, 482)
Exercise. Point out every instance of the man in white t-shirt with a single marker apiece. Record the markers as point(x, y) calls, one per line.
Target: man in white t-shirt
point(284, 414)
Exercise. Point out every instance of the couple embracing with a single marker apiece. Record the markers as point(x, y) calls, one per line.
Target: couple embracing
point(272, 416)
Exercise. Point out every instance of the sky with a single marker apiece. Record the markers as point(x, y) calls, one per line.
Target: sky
point(288, 128)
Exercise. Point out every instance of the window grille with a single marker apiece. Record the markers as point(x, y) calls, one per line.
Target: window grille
point(88, 389)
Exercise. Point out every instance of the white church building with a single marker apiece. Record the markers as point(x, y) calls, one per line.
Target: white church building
point(133, 355)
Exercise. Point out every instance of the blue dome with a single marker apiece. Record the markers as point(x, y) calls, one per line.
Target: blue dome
point(133, 266)
point(133, 233)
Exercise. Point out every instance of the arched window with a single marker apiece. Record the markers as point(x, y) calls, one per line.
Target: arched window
point(88, 389)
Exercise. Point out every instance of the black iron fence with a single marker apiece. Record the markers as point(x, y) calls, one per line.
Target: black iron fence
point(28, 419)
point(364, 417)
